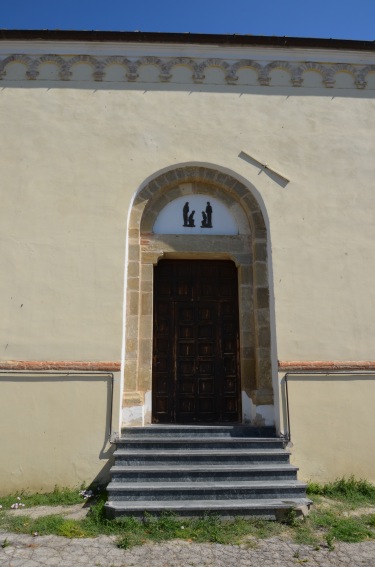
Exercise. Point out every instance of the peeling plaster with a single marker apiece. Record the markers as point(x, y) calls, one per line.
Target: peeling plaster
point(136, 416)
point(263, 415)
point(147, 408)
point(132, 416)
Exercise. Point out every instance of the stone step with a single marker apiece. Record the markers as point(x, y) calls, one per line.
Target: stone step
point(203, 456)
point(198, 431)
point(149, 491)
point(191, 473)
point(229, 443)
point(231, 470)
point(268, 509)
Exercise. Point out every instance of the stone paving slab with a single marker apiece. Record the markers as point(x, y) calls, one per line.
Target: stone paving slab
point(46, 551)
point(70, 512)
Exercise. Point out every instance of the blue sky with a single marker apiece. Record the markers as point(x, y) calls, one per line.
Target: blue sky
point(344, 19)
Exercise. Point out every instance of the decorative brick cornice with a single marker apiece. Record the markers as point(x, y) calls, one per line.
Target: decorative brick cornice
point(60, 365)
point(329, 366)
point(197, 66)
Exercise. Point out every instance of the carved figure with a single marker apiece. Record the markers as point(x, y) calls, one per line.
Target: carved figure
point(204, 220)
point(185, 214)
point(209, 215)
point(191, 219)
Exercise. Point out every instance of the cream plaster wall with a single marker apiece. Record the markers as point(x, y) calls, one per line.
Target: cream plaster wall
point(332, 425)
point(55, 430)
point(73, 157)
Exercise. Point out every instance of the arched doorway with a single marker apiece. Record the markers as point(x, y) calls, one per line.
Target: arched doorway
point(247, 250)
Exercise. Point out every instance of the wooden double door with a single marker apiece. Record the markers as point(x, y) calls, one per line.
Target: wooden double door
point(195, 342)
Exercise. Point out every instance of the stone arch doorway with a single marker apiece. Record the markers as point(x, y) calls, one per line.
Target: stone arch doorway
point(247, 249)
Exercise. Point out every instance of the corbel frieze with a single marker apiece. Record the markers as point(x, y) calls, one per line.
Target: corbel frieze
point(197, 66)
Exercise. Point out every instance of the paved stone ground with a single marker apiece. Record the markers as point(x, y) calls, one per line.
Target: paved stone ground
point(72, 512)
point(46, 551)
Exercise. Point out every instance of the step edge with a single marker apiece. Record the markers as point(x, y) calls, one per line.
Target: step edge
point(214, 504)
point(285, 467)
point(209, 487)
point(200, 451)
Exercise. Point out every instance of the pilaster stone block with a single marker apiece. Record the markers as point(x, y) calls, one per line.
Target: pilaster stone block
point(262, 297)
point(130, 383)
point(133, 284)
point(133, 269)
point(145, 353)
point(264, 370)
point(131, 399)
point(132, 326)
point(263, 316)
point(132, 303)
point(147, 272)
point(262, 396)
point(264, 337)
point(260, 251)
point(247, 351)
point(145, 326)
point(248, 373)
point(133, 252)
point(146, 286)
point(146, 303)
point(260, 274)
point(131, 348)
point(145, 378)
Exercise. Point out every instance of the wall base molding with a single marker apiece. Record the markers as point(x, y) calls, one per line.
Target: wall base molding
point(43, 365)
point(331, 366)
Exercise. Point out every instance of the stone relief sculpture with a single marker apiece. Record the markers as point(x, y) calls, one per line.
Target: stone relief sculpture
point(191, 219)
point(185, 214)
point(188, 219)
point(207, 216)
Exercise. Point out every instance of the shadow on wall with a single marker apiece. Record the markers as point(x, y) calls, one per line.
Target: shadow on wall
point(55, 429)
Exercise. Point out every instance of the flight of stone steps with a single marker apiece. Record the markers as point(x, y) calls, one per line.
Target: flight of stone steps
point(191, 470)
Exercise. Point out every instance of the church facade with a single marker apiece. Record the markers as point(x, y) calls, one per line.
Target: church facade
point(187, 237)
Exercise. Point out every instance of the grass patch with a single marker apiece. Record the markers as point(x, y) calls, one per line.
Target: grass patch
point(331, 519)
point(207, 528)
point(322, 527)
point(345, 489)
point(131, 531)
point(335, 526)
point(59, 497)
point(304, 534)
point(46, 525)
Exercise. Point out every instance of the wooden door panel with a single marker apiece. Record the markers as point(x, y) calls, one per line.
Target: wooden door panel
point(186, 332)
point(230, 386)
point(206, 385)
point(206, 367)
point(195, 360)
